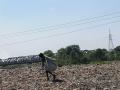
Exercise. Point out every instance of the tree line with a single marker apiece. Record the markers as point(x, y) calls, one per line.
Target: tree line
point(72, 54)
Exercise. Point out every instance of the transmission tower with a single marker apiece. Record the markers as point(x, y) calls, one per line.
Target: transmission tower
point(111, 45)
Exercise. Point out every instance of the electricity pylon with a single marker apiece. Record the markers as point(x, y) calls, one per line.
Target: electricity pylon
point(111, 48)
point(111, 45)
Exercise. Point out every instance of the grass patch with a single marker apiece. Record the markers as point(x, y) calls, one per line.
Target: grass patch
point(101, 62)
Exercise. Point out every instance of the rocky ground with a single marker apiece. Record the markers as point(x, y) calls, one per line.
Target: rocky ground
point(75, 77)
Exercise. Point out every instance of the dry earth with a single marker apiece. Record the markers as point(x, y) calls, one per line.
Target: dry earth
point(76, 77)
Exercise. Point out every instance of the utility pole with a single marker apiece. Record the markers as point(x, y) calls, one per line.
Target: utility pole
point(111, 45)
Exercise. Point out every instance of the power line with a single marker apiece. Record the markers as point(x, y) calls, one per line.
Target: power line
point(60, 34)
point(56, 28)
point(51, 26)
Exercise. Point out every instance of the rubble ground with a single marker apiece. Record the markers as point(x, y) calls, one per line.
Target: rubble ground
point(74, 77)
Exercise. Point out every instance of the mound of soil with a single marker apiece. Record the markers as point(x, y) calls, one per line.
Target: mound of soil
point(75, 77)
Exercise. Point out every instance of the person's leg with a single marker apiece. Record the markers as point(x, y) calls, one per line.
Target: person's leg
point(47, 75)
point(54, 76)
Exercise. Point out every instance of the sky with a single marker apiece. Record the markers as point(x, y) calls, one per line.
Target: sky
point(29, 27)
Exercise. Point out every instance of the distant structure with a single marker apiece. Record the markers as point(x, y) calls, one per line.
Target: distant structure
point(111, 45)
point(20, 60)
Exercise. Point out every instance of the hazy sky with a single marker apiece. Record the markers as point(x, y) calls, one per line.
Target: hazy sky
point(33, 26)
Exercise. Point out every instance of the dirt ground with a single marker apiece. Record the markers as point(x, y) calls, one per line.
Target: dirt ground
point(75, 77)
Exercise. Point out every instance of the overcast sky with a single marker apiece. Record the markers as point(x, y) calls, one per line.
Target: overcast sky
point(32, 26)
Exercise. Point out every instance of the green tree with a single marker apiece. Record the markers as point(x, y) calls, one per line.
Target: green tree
point(87, 56)
point(69, 55)
point(117, 49)
point(61, 57)
point(98, 54)
point(0, 60)
point(74, 54)
point(117, 53)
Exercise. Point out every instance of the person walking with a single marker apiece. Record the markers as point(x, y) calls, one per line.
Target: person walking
point(48, 65)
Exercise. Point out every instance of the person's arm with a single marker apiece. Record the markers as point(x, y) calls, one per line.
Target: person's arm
point(42, 57)
point(43, 62)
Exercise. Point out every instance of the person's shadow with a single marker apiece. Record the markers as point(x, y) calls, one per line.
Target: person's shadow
point(58, 80)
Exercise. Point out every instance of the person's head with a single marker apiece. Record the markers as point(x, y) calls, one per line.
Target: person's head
point(41, 55)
